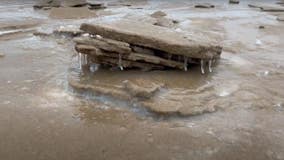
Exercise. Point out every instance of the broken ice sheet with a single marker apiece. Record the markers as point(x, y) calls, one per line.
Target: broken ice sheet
point(59, 94)
point(224, 93)
point(227, 89)
point(263, 73)
point(258, 42)
point(6, 102)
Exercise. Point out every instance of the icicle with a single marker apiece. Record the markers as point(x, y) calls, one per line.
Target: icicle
point(210, 65)
point(85, 59)
point(80, 60)
point(88, 61)
point(119, 62)
point(202, 66)
point(94, 67)
point(185, 63)
point(78, 57)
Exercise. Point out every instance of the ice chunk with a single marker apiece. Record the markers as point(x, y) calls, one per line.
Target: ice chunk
point(258, 42)
point(224, 93)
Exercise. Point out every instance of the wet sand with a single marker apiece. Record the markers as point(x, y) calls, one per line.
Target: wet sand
point(42, 117)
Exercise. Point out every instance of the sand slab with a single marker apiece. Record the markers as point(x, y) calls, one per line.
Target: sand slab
point(71, 13)
point(155, 37)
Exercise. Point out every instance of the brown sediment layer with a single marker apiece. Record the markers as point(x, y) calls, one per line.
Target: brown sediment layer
point(96, 52)
point(105, 44)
